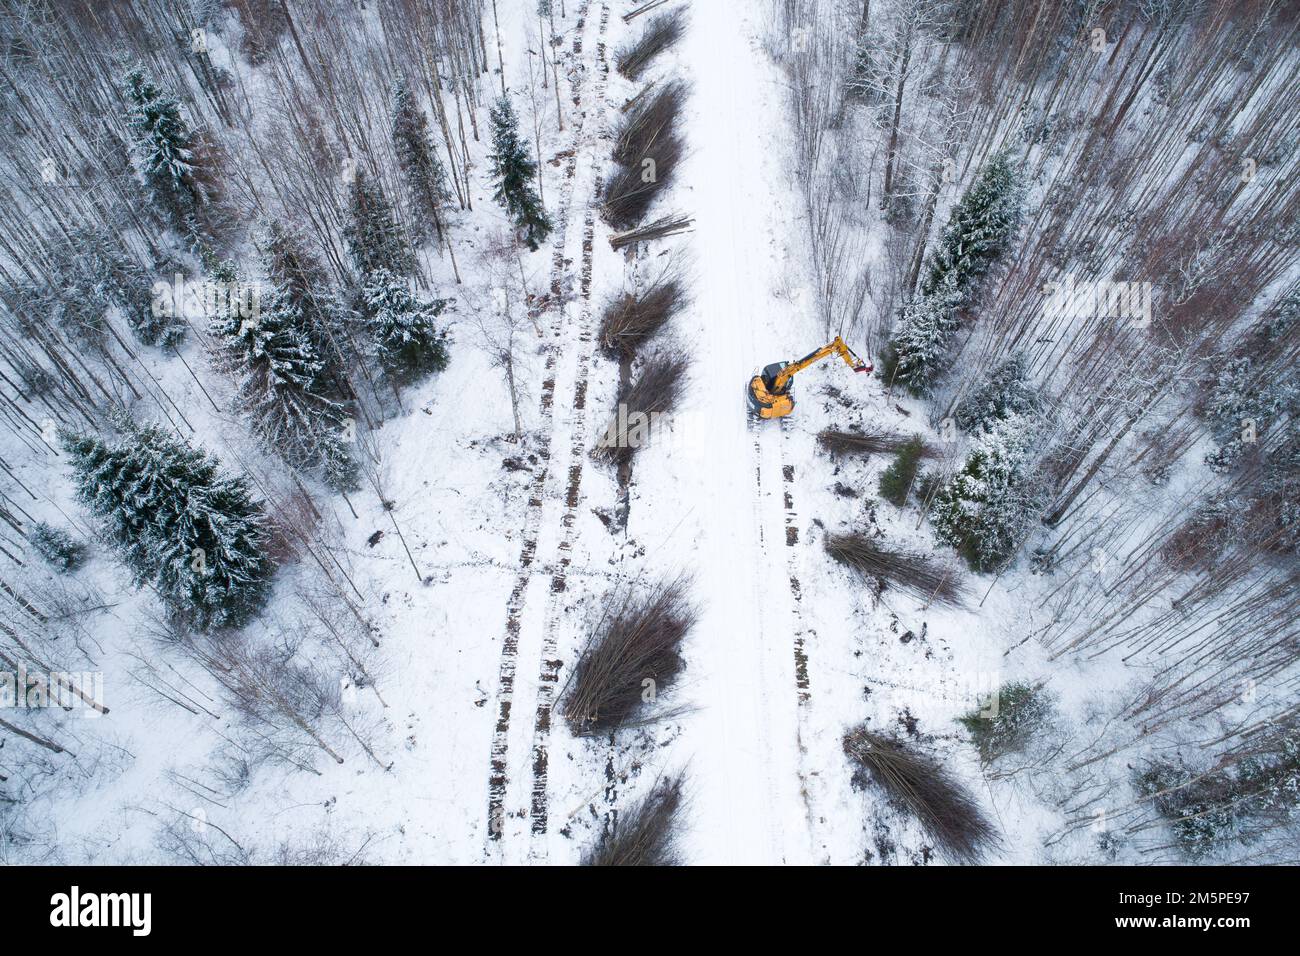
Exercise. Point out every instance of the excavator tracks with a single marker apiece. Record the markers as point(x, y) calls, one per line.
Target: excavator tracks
point(499, 775)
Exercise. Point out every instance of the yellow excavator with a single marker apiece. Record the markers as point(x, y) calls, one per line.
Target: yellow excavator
point(770, 390)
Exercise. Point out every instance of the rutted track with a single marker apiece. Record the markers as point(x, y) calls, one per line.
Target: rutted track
point(498, 768)
point(802, 684)
point(549, 673)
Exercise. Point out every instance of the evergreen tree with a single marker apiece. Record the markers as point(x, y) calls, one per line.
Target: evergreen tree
point(1250, 396)
point(988, 507)
point(406, 339)
point(426, 179)
point(374, 238)
point(57, 547)
point(93, 275)
point(1007, 392)
point(921, 338)
point(978, 231)
point(514, 172)
point(1281, 484)
point(1206, 807)
point(178, 523)
point(896, 481)
point(164, 148)
point(283, 383)
point(289, 264)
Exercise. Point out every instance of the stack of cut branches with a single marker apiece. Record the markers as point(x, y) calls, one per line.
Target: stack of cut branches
point(861, 443)
point(631, 320)
point(659, 34)
point(668, 225)
point(944, 807)
point(631, 659)
point(645, 834)
point(641, 404)
point(910, 572)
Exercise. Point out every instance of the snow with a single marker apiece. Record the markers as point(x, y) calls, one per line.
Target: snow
point(448, 547)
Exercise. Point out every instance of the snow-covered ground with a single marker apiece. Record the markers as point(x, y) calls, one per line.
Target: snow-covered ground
point(484, 564)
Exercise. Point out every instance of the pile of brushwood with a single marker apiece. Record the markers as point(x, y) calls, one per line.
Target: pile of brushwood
point(644, 834)
point(945, 809)
point(632, 658)
point(647, 149)
point(913, 573)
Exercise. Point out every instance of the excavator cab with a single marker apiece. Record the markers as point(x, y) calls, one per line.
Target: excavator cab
point(770, 392)
point(765, 400)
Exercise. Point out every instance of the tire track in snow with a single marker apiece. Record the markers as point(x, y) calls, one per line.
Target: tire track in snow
point(549, 674)
point(549, 671)
point(498, 774)
point(802, 680)
point(803, 689)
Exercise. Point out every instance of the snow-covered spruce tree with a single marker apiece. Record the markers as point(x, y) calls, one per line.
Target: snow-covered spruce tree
point(164, 147)
point(514, 171)
point(402, 328)
point(1007, 392)
point(1208, 808)
point(979, 228)
point(1244, 401)
point(1021, 713)
point(1281, 484)
point(177, 522)
point(978, 231)
point(325, 320)
point(1249, 395)
point(374, 238)
point(283, 383)
point(426, 179)
point(925, 328)
point(56, 547)
point(987, 508)
point(93, 274)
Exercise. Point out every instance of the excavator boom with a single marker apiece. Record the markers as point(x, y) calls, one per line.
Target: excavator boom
point(769, 391)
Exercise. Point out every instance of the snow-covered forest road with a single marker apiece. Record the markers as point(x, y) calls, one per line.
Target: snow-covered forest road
point(742, 665)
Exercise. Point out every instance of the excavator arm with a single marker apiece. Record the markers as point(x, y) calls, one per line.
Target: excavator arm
point(812, 358)
point(769, 391)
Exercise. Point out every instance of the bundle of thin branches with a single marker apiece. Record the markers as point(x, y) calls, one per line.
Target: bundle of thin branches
point(862, 443)
point(945, 808)
point(645, 834)
point(631, 659)
point(668, 225)
point(640, 405)
point(631, 320)
point(910, 572)
point(629, 193)
point(647, 124)
point(659, 34)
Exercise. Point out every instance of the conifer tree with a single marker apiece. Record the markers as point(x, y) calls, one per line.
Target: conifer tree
point(164, 147)
point(988, 507)
point(61, 550)
point(978, 231)
point(1253, 390)
point(426, 179)
point(178, 522)
point(1007, 392)
point(289, 264)
point(374, 238)
point(283, 382)
point(94, 274)
point(514, 172)
point(406, 339)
